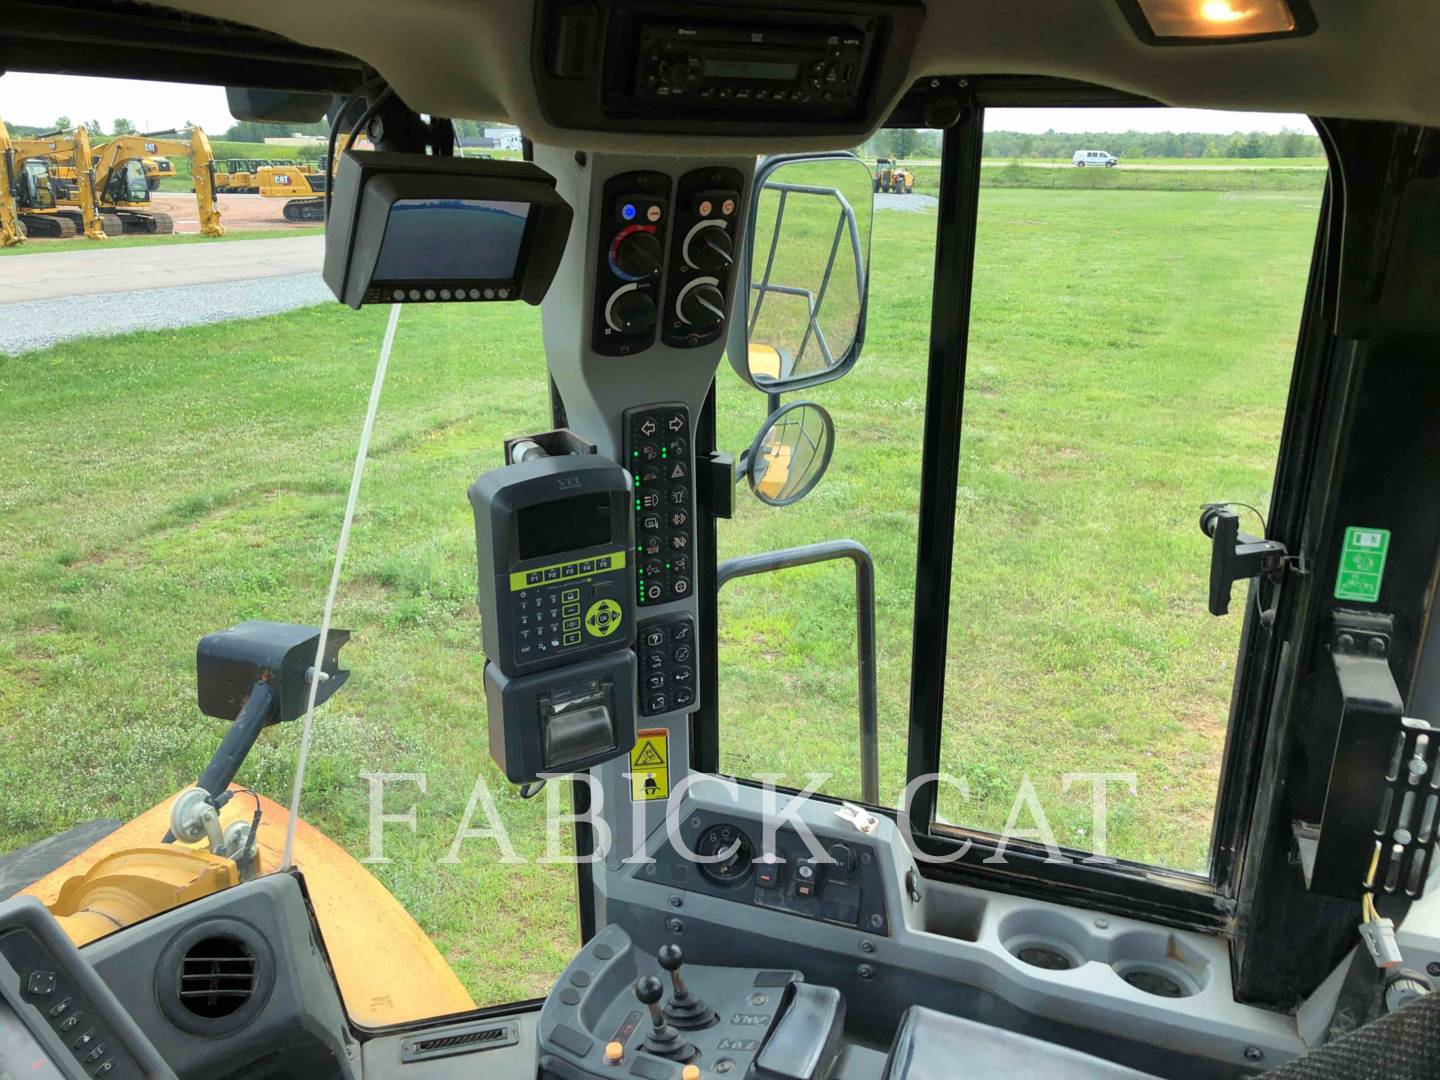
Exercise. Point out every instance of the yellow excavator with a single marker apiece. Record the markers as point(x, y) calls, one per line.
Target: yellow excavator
point(301, 182)
point(27, 195)
point(123, 189)
point(76, 196)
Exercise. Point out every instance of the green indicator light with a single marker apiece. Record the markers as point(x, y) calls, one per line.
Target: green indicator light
point(667, 566)
point(634, 453)
point(664, 453)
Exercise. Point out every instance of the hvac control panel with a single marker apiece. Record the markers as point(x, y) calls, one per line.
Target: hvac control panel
point(635, 220)
point(657, 453)
point(702, 256)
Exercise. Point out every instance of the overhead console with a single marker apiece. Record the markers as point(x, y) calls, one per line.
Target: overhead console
point(803, 68)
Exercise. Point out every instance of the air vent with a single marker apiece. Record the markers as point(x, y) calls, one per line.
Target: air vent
point(217, 977)
point(467, 1039)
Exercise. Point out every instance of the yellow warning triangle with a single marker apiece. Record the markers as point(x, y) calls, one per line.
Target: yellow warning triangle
point(648, 757)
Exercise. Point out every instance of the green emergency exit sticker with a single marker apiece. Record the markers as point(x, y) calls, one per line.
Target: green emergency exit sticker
point(1362, 564)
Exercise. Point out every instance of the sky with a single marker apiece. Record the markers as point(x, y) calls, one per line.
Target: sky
point(156, 106)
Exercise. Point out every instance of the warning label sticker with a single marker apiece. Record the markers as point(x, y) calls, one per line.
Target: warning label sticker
point(1362, 564)
point(650, 765)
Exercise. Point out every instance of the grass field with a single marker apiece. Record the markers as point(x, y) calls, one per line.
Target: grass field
point(1130, 355)
point(81, 243)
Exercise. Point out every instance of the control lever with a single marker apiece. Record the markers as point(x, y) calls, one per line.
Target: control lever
point(684, 1010)
point(663, 1041)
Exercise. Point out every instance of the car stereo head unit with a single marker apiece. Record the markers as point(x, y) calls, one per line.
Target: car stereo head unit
point(807, 67)
point(412, 228)
point(724, 65)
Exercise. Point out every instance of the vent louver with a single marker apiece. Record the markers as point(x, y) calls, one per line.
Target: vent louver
point(469, 1039)
point(217, 977)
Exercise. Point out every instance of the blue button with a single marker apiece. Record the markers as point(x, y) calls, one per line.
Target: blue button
point(628, 211)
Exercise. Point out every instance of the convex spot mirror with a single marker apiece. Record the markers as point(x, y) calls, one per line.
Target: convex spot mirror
point(790, 454)
point(804, 274)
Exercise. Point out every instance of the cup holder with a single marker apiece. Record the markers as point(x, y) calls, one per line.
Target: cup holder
point(1050, 955)
point(1160, 964)
point(1045, 940)
point(1153, 962)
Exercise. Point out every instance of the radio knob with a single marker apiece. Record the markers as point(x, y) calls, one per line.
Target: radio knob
point(702, 306)
point(710, 249)
point(639, 255)
point(675, 72)
point(630, 311)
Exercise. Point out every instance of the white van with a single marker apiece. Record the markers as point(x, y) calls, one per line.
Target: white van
point(1081, 158)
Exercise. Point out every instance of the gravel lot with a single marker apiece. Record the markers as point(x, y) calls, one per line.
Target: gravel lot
point(36, 324)
point(913, 203)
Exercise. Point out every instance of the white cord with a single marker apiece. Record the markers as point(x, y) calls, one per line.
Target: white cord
point(361, 452)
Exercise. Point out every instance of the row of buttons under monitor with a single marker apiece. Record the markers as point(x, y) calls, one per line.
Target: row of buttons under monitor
point(414, 295)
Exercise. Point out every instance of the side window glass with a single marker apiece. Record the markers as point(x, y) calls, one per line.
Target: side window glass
point(1131, 345)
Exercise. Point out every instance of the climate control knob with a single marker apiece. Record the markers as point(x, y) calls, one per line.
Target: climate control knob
point(630, 311)
point(639, 255)
point(710, 249)
point(701, 306)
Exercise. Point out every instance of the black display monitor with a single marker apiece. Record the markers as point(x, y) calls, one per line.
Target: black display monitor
point(412, 228)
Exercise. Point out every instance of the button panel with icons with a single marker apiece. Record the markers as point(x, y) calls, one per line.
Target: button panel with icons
point(702, 256)
point(565, 607)
point(666, 648)
point(634, 224)
point(55, 999)
point(657, 452)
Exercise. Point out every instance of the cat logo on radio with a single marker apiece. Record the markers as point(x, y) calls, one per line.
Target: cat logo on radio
point(650, 765)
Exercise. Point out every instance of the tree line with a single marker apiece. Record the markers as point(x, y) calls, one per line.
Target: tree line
point(907, 143)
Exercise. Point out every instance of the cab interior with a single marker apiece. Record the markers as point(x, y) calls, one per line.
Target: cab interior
point(730, 926)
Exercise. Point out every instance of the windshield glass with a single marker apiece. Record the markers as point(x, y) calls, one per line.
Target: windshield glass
point(177, 461)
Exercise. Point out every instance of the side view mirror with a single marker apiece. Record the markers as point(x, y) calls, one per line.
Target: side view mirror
point(790, 453)
point(803, 277)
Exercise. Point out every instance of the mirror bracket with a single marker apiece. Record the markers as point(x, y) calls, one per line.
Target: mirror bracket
point(715, 484)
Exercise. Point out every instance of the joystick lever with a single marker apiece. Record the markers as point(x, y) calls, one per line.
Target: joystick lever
point(663, 1040)
point(684, 1010)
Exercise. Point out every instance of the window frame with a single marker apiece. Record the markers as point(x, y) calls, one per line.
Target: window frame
point(1202, 902)
point(1206, 902)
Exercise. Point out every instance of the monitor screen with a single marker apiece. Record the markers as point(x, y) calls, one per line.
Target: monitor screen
point(20, 1054)
point(451, 240)
point(581, 521)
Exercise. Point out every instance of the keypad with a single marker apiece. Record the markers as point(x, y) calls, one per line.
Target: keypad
point(560, 609)
point(667, 665)
point(657, 450)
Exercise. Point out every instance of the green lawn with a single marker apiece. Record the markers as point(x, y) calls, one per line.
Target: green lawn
point(1130, 359)
point(38, 247)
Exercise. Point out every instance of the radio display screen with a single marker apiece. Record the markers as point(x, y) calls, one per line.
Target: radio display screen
point(581, 521)
point(452, 240)
point(751, 69)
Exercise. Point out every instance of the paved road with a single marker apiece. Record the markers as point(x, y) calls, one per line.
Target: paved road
point(88, 271)
point(50, 297)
